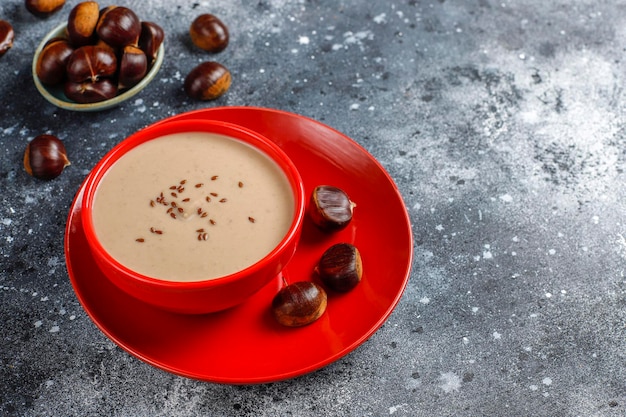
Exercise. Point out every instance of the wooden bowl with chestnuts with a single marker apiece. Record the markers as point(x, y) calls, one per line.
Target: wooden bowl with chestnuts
point(63, 70)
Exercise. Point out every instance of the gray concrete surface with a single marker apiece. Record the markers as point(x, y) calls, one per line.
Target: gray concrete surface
point(502, 123)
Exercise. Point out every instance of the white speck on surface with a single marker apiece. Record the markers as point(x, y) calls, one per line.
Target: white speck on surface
point(439, 227)
point(533, 387)
point(381, 18)
point(354, 106)
point(546, 381)
point(38, 323)
point(474, 309)
point(515, 239)
point(487, 254)
point(506, 198)
point(450, 382)
point(7, 222)
point(548, 295)
point(395, 408)
point(424, 300)
point(54, 329)
point(304, 40)
point(497, 336)
point(551, 252)
point(595, 219)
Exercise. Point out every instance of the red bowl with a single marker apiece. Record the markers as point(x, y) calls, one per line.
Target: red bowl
point(210, 295)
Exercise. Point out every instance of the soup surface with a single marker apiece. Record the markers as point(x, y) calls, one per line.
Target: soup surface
point(192, 206)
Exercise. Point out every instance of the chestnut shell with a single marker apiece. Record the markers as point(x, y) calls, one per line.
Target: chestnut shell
point(340, 268)
point(52, 61)
point(43, 8)
point(119, 26)
point(7, 35)
point(45, 157)
point(330, 207)
point(90, 92)
point(209, 33)
point(81, 23)
point(299, 304)
point(91, 63)
point(207, 81)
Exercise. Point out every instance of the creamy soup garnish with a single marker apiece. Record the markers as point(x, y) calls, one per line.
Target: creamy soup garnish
point(192, 206)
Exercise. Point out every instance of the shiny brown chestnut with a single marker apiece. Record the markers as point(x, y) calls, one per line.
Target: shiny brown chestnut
point(209, 33)
point(299, 304)
point(43, 8)
point(330, 208)
point(340, 268)
point(7, 36)
point(52, 61)
point(90, 92)
point(150, 40)
point(119, 26)
point(207, 81)
point(45, 157)
point(91, 63)
point(81, 23)
point(133, 66)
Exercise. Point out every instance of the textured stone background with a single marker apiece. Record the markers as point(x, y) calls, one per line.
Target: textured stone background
point(502, 123)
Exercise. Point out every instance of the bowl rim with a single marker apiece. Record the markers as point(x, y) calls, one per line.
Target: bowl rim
point(157, 130)
point(101, 105)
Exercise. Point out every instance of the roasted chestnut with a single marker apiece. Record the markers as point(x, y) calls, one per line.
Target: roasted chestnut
point(207, 81)
point(299, 304)
point(119, 26)
point(43, 8)
point(81, 23)
point(7, 35)
point(209, 33)
point(52, 61)
point(91, 63)
point(45, 157)
point(340, 268)
point(150, 40)
point(330, 207)
point(90, 92)
point(133, 66)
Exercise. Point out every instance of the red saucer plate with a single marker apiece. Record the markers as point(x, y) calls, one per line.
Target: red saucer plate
point(245, 345)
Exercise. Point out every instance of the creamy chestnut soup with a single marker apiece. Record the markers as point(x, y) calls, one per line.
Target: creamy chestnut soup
point(192, 206)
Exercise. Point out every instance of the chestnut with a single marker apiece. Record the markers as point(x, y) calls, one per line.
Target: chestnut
point(81, 23)
point(43, 8)
point(90, 92)
point(90, 63)
point(340, 268)
point(52, 61)
point(119, 26)
point(45, 157)
point(133, 66)
point(299, 304)
point(7, 35)
point(207, 81)
point(209, 33)
point(330, 208)
point(150, 40)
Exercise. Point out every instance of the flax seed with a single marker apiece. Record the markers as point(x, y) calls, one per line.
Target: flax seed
point(140, 240)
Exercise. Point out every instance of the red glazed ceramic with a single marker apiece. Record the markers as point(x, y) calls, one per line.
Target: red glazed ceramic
point(209, 295)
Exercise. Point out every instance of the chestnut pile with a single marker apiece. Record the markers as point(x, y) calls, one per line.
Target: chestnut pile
point(104, 52)
point(339, 269)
